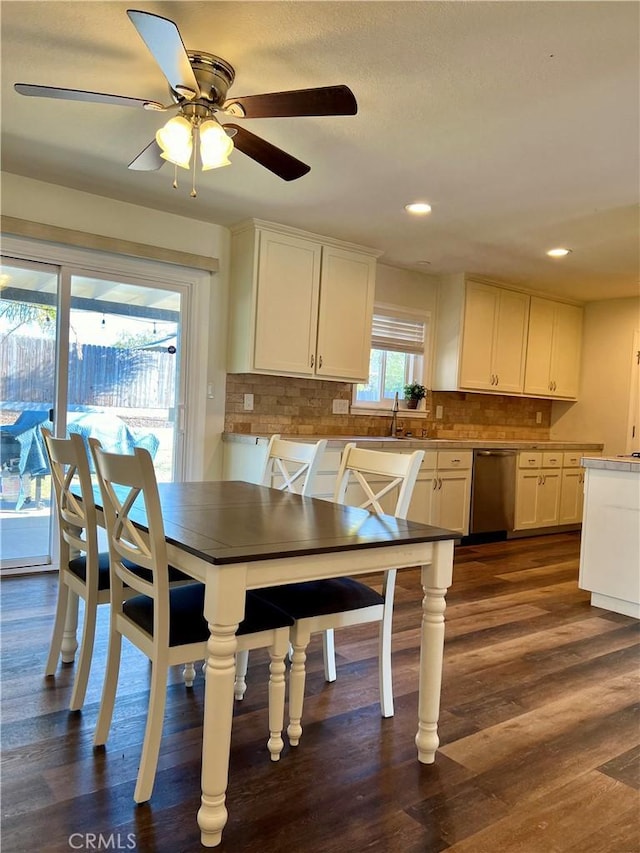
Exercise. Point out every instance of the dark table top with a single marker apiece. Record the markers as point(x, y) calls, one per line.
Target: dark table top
point(226, 522)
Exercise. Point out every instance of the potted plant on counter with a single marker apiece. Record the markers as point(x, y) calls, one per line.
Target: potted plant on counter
point(413, 393)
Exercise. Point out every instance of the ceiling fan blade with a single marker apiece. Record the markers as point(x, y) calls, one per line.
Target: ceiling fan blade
point(268, 155)
point(148, 160)
point(79, 95)
point(163, 39)
point(323, 101)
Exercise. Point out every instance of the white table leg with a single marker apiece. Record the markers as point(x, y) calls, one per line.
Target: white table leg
point(436, 579)
point(69, 638)
point(224, 600)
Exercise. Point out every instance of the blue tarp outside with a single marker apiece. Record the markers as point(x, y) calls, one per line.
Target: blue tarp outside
point(23, 440)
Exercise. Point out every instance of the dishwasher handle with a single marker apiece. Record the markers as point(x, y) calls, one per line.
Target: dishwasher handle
point(496, 452)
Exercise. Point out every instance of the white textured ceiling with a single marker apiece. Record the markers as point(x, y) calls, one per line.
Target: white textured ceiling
point(518, 121)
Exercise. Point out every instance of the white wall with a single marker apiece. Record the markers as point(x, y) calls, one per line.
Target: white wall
point(601, 413)
point(36, 201)
point(410, 289)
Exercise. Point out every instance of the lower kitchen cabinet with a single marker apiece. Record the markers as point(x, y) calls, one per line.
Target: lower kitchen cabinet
point(442, 495)
point(550, 488)
point(538, 489)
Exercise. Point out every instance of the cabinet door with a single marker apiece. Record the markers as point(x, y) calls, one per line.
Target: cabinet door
point(537, 379)
point(571, 496)
point(452, 499)
point(553, 349)
point(287, 304)
point(421, 506)
point(510, 340)
point(480, 311)
point(527, 499)
point(346, 307)
point(565, 367)
point(548, 498)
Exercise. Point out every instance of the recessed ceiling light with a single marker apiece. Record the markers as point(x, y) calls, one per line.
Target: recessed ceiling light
point(418, 208)
point(558, 253)
point(424, 263)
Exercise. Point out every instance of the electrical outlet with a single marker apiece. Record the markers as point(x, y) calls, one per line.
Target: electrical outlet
point(340, 407)
point(210, 390)
point(538, 417)
point(248, 402)
point(439, 413)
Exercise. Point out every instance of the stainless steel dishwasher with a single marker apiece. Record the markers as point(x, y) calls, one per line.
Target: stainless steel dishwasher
point(493, 491)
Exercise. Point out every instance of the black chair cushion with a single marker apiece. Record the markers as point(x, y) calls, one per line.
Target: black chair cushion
point(187, 623)
point(319, 598)
point(79, 568)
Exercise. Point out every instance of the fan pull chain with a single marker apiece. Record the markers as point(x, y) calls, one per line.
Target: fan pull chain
point(196, 140)
point(175, 178)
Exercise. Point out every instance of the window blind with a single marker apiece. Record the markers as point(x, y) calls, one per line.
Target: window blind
point(398, 333)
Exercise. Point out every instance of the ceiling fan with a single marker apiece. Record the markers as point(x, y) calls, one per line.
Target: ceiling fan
point(198, 84)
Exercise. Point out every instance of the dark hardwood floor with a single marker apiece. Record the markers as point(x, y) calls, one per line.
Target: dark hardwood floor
point(539, 732)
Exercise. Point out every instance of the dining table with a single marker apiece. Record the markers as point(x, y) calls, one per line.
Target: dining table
point(234, 536)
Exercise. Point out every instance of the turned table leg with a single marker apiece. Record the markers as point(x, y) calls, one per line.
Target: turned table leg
point(224, 601)
point(436, 579)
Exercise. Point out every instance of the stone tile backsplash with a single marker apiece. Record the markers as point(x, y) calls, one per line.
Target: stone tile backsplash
point(304, 407)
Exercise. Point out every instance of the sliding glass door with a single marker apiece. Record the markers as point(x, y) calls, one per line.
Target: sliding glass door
point(28, 323)
point(84, 353)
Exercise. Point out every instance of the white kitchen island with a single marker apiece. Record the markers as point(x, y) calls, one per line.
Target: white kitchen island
point(610, 549)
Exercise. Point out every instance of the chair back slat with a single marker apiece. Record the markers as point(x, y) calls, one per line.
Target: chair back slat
point(292, 465)
point(126, 483)
point(379, 473)
point(76, 516)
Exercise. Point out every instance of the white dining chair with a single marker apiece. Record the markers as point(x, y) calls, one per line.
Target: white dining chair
point(83, 569)
point(371, 477)
point(290, 466)
point(166, 623)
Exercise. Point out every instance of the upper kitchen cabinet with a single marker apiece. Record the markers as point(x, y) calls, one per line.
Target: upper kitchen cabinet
point(553, 349)
point(481, 338)
point(300, 304)
point(494, 339)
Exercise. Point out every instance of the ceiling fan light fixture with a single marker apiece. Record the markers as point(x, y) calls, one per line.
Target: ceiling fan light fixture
point(560, 252)
point(176, 141)
point(215, 145)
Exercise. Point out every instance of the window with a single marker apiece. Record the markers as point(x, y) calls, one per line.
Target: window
point(398, 345)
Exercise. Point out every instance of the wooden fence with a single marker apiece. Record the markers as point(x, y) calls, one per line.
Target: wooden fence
point(98, 375)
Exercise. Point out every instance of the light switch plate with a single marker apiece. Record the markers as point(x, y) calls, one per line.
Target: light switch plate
point(340, 407)
point(439, 412)
point(538, 417)
point(248, 402)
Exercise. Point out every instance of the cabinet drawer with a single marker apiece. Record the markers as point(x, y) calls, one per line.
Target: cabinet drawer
point(530, 459)
point(430, 461)
point(571, 459)
point(455, 459)
point(552, 459)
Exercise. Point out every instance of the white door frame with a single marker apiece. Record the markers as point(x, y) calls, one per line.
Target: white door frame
point(633, 420)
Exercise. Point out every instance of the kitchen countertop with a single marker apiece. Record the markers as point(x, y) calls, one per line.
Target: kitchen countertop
point(613, 463)
point(377, 442)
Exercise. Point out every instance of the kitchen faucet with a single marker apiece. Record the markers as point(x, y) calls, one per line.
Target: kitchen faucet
point(394, 417)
